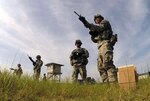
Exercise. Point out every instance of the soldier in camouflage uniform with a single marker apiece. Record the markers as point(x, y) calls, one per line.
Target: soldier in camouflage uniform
point(102, 34)
point(18, 72)
point(37, 66)
point(44, 77)
point(78, 60)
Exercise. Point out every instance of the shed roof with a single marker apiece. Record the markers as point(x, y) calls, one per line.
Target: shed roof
point(48, 64)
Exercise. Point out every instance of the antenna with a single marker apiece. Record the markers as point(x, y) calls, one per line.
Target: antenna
point(14, 57)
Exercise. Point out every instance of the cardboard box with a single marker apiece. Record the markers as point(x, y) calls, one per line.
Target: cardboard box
point(127, 77)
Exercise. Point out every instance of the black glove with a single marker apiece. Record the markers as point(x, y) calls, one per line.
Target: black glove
point(82, 19)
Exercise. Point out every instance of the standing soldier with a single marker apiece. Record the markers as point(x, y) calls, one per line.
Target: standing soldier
point(44, 77)
point(78, 60)
point(37, 66)
point(102, 34)
point(18, 71)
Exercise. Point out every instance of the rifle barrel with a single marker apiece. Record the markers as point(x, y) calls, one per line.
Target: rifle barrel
point(76, 13)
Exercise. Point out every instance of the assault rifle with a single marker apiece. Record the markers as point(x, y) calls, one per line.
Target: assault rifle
point(82, 19)
point(113, 38)
point(34, 63)
point(12, 69)
point(86, 24)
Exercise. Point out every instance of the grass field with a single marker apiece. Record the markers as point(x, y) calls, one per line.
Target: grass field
point(26, 89)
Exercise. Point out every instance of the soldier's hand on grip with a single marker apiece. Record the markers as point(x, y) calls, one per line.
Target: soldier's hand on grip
point(30, 58)
point(82, 19)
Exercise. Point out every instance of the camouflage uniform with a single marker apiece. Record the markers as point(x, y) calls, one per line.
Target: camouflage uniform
point(78, 60)
point(44, 77)
point(37, 67)
point(18, 71)
point(102, 35)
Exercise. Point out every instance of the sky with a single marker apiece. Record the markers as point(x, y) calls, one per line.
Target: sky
point(50, 27)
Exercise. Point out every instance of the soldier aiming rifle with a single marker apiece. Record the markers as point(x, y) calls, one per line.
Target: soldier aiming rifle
point(33, 62)
point(37, 66)
point(102, 34)
point(17, 71)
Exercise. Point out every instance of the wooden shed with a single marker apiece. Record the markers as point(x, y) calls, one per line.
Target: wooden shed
point(54, 71)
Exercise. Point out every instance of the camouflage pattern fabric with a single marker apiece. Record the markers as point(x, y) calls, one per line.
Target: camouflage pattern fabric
point(105, 64)
point(106, 67)
point(78, 60)
point(37, 69)
point(18, 72)
point(79, 69)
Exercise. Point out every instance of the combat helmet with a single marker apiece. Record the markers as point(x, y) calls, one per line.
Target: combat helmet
point(38, 57)
point(98, 16)
point(18, 65)
point(78, 42)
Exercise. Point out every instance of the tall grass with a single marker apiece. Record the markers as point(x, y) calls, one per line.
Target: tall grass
point(26, 89)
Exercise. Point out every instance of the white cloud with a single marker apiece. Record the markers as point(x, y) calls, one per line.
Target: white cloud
point(137, 10)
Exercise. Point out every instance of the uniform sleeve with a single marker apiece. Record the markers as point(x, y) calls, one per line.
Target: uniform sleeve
point(86, 53)
point(101, 27)
point(71, 55)
point(39, 64)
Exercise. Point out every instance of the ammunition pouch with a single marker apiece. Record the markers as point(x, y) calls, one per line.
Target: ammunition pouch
point(113, 39)
point(77, 55)
point(85, 61)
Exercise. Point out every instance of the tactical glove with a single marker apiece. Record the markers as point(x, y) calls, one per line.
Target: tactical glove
point(82, 19)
